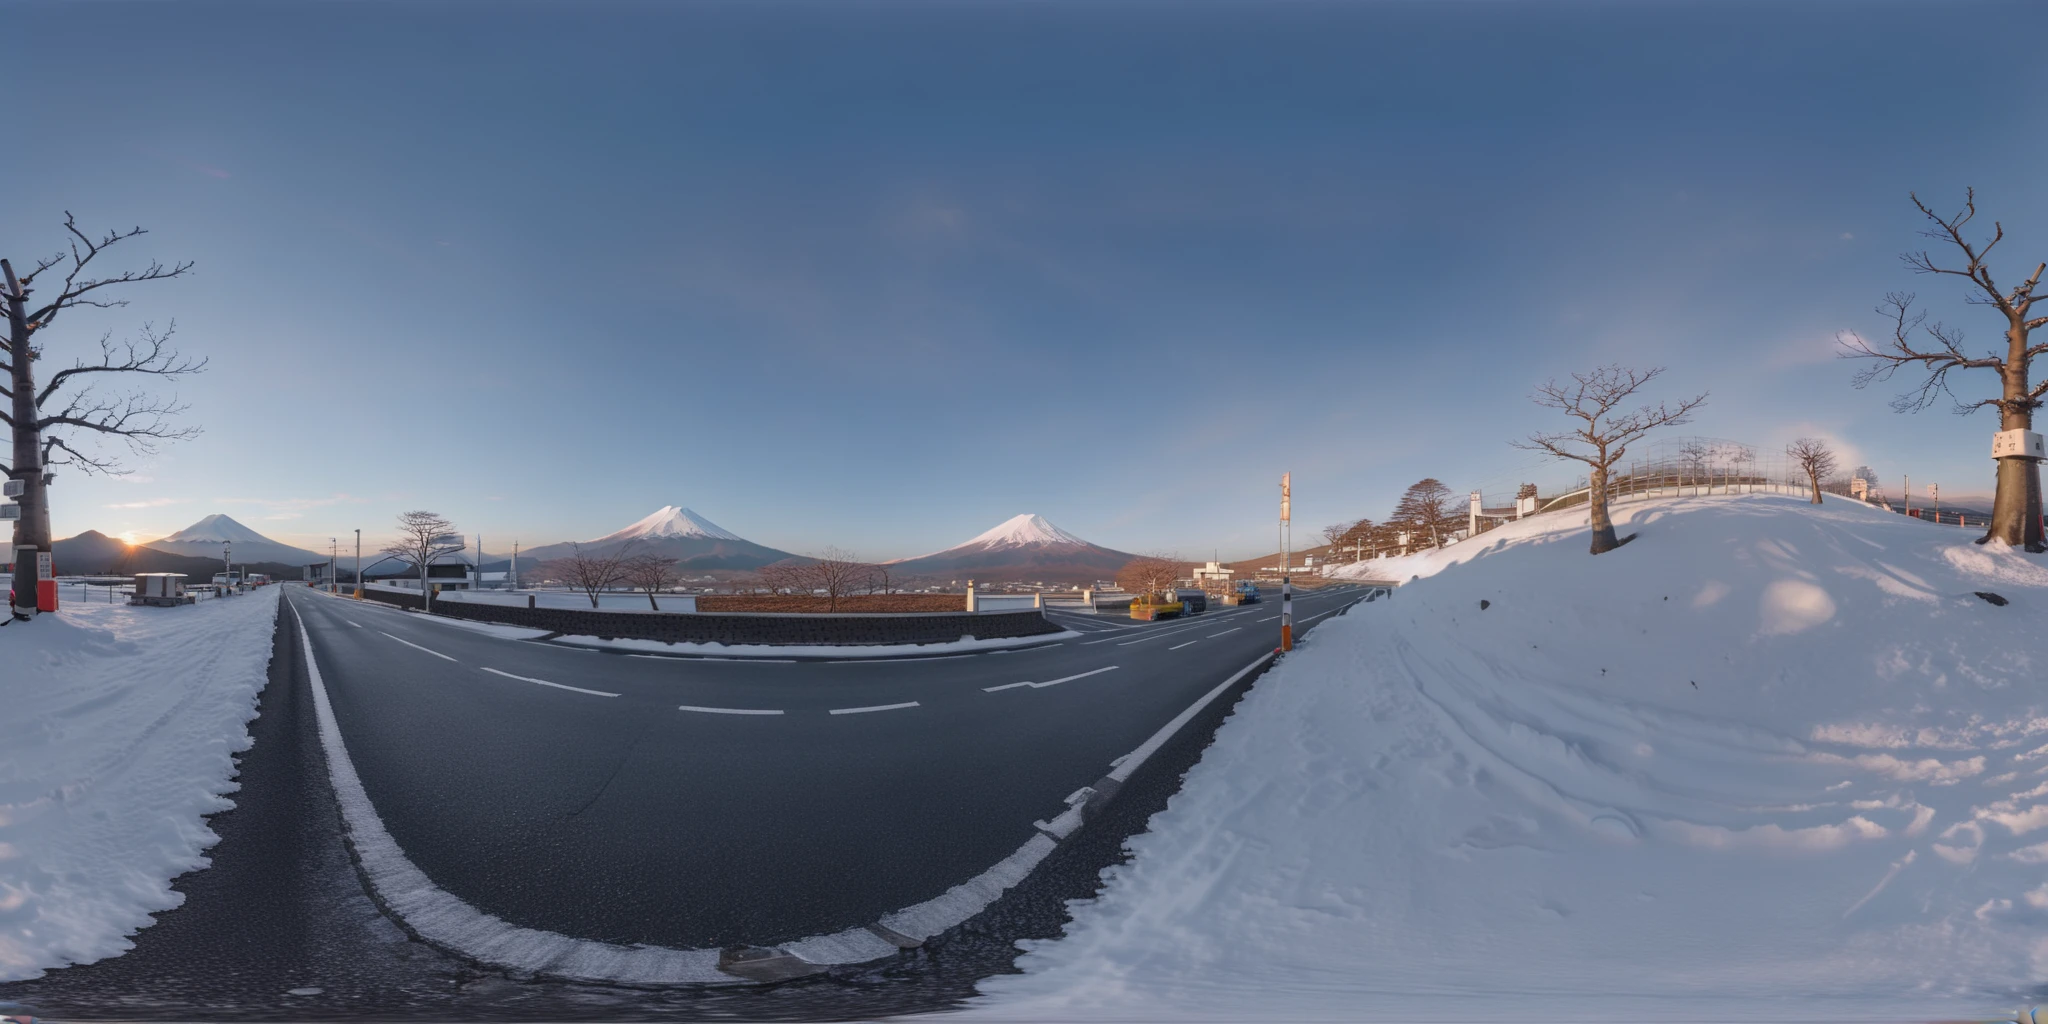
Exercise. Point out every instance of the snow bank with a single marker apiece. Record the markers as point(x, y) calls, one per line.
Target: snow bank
point(118, 728)
point(1768, 759)
point(964, 645)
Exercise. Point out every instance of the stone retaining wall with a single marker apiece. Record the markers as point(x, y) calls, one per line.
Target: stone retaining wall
point(741, 627)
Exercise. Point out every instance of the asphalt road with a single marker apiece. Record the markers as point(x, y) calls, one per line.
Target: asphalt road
point(699, 803)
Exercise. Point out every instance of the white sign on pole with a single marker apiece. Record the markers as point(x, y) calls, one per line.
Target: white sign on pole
point(44, 570)
point(2008, 444)
point(13, 488)
point(10, 511)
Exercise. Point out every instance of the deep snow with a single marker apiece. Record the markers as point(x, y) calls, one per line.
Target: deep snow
point(1768, 760)
point(118, 727)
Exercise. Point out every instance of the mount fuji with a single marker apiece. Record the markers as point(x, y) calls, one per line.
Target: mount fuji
point(1023, 548)
point(204, 538)
point(677, 532)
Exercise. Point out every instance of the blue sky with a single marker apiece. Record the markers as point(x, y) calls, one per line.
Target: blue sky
point(882, 275)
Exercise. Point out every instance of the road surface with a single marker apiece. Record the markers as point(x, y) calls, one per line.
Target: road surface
point(695, 803)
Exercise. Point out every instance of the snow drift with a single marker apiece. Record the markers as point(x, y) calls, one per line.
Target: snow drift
point(1769, 758)
point(118, 730)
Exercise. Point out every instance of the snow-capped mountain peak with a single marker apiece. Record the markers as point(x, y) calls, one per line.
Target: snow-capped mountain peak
point(217, 529)
point(671, 521)
point(1027, 530)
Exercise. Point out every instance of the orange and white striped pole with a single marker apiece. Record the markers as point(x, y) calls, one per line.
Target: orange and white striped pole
point(1286, 581)
point(1286, 614)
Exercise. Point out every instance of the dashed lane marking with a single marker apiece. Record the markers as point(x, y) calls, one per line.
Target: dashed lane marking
point(1049, 682)
point(1226, 632)
point(1269, 618)
point(878, 707)
point(409, 643)
point(354, 623)
point(543, 682)
point(1190, 643)
point(728, 711)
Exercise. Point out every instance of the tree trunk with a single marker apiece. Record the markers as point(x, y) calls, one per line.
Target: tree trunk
point(2016, 508)
point(1596, 504)
point(1814, 479)
point(32, 530)
point(650, 601)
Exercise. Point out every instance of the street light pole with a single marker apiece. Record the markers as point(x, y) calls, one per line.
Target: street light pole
point(359, 564)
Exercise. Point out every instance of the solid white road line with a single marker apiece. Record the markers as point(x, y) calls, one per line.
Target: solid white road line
point(878, 707)
point(1049, 682)
point(1226, 632)
point(558, 686)
point(1319, 615)
point(1190, 643)
point(409, 643)
point(728, 711)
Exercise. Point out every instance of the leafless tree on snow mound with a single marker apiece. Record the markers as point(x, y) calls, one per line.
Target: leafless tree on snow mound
point(651, 573)
point(1426, 507)
point(1813, 455)
point(47, 421)
point(1604, 433)
point(422, 537)
point(2016, 508)
point(1150, 574)
point(592, 572)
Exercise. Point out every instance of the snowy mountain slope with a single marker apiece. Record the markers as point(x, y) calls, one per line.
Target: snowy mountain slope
point(671, 521)
point(1023, 547)
point(204, 538)
point(1768, 759)
point(679, 533)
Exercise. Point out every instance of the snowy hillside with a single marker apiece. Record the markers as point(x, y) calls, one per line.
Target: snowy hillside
point(119, 735)
point(1768, 759)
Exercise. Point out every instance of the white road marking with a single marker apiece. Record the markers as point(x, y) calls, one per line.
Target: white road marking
point(409, 643)
point(558, 686)
point(1269, 618)
point(728, 711)
point(1226, 632)
point(1190, 643)
point(1319, 615)
point(351, 622)
point(1161, 633)
point(878, 707)
point(1049, 682)
point(560, 647)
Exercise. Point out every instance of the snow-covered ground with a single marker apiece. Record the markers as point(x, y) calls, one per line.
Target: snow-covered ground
point(964, 645)
point(118, 728)
point(1768, 760)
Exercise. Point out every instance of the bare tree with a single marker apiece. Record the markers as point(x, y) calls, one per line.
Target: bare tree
point(2016, 506)
point(1149, 574)
point(1694, 455)
point(422, 537)
point(650, 572)
point(881, 578)
point(789, 576)
point(594, 571)
point(45, 422)
point(1426, 505)
point(1813, 455)
point(1604, 435)
point(1334, 533)
point(837, 573)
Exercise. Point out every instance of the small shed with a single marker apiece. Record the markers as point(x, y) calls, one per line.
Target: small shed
point(160, 588)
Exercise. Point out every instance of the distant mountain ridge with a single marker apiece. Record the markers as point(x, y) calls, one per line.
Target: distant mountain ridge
point(695, 542)
point(1023, 548)
point(204, 539)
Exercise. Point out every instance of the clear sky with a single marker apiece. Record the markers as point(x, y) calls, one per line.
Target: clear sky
point(882, 275)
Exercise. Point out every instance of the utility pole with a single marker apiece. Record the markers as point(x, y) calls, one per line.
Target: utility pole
point(359, 564)
point(1286, 582)
point(32, 530)
point(333, 566)
point(513, 575)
